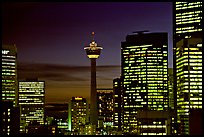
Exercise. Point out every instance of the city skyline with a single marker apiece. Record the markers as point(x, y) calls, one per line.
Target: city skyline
point(50, 38)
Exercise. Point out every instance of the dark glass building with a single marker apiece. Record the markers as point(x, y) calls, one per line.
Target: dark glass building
point(144, 73)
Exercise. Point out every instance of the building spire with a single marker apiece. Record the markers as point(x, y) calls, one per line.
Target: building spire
point(92, 34)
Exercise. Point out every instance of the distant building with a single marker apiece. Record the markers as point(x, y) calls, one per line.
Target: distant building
point(118, 104)
point(105, 107)
point(56, 115)
point(31, 102)
point(77, 114)
point(10, 119)
point(144, 76)
point(9, 73)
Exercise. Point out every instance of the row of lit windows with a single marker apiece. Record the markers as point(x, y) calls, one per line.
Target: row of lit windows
point(8, 63)
point(8, 56)
point(9, 73)
point(187, 7)
point(4, 60)
point(189, 30)
point(9, 70)
point(180, 21)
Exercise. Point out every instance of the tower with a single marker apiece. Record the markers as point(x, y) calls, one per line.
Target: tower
point(93, 53)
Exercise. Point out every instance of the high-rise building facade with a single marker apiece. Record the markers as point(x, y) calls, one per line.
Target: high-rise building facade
point(144, 73)
point(187, 60)
point(105, 107)
point(77, 114)
point(189, 79)
point(9, 73)
point(31, 102)
point(187, 18)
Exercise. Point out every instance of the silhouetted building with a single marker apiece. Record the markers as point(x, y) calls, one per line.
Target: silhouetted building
point(93, 52)
point(31, 102)
point(118, 104)
point(77, 114)
point(154, 123)
point(187, 60)
point(10, 119)
point(57, 116)
point(144, 75)
point(9, 73)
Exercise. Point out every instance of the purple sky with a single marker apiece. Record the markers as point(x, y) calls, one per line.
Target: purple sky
point(50, 38)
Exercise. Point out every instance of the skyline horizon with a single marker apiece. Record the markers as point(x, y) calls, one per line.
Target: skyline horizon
point(50, 39)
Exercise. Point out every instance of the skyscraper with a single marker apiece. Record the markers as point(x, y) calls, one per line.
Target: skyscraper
point(187, 60)
point(9, 73)
point(187, 19)
point(189, 79)
point(144, 73)
point(31, 102)
point(93, 52)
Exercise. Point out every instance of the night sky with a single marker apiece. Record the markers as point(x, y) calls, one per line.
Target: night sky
point(50, 38)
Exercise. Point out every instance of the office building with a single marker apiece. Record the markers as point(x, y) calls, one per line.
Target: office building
point(31, 102)
point(77, 116)
point(189, 79)
point(187, 18)
point(144, 73)
point(118, 104)
point(187, 60)
point(9, 73)
point(105, 108)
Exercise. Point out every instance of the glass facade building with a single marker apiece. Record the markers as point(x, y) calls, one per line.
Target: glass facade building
point(144, 74)
point(31, 102)
point(9, 74)
point(188, 18)
point(189, 79)
point(187, 23)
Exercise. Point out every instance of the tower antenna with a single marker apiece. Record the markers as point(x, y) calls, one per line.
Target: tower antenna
point(92, 34)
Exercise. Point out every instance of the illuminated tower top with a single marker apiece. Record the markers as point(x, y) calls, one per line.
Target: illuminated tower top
point(93, 51)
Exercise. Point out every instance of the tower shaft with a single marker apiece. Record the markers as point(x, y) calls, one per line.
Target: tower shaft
point(93, 105)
